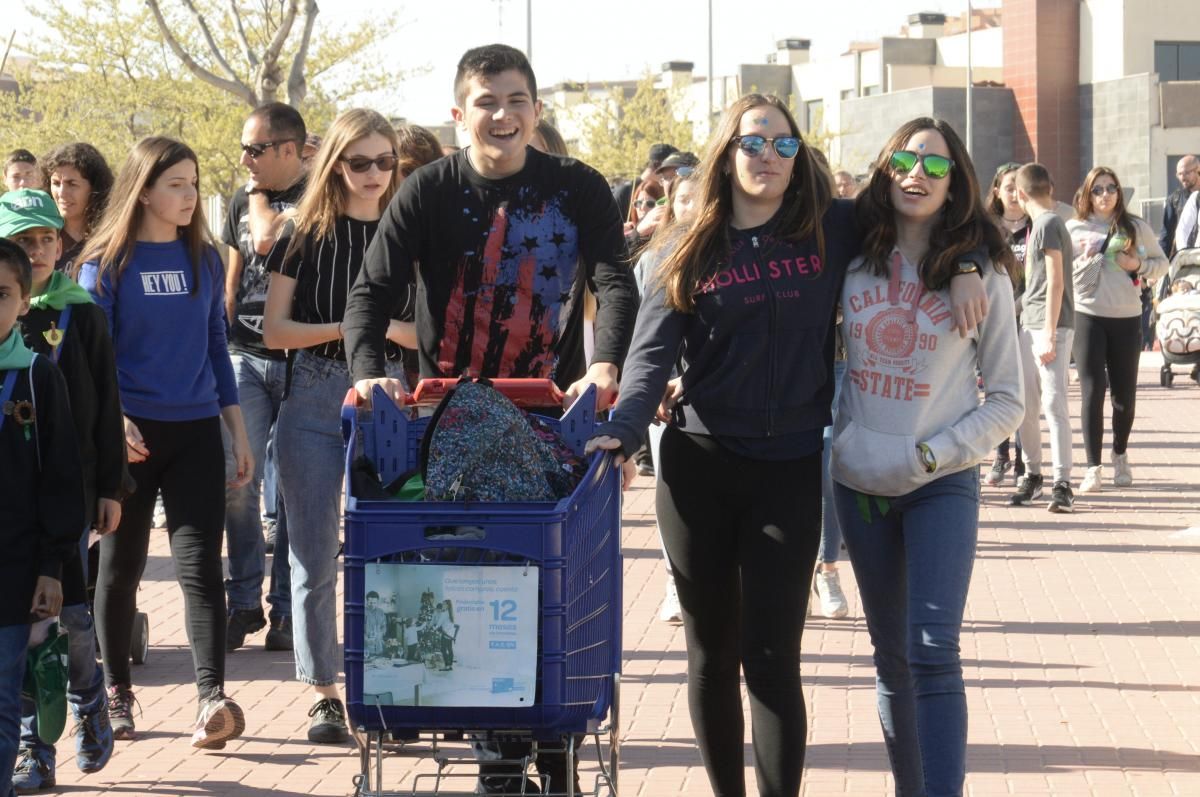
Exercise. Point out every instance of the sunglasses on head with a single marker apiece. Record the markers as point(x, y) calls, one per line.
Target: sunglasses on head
point(360, 163)
point(786, 147)
point(255, 151)
point(934, 166)
point(1101, 190)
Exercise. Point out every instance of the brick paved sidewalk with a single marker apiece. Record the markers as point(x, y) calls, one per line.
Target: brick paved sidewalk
point(1081, 647)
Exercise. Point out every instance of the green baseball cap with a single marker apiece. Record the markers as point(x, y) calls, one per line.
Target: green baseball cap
point(25, 209)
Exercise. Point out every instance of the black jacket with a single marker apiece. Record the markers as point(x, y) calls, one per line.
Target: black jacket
point(87, 363)
point(1171, 213)
point(41, 494)
point(758, 350)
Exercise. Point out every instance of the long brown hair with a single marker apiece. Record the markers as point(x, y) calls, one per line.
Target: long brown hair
point(1122, 219)
point(962, 227)
point(112, 243)
point(704, 244)
point(324, 200)
point(995, 202)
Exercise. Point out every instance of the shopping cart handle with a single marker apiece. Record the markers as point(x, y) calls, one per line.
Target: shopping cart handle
point(537, 393)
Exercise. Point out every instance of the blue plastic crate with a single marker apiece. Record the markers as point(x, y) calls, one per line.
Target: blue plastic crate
point(575, 543)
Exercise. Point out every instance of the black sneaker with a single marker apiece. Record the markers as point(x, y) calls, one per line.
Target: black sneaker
point(328, 724)
point(120, 712)
point(1061, 498)
point(1029, 489)
point(279, 637)
point(995, 476)
point(242, 622)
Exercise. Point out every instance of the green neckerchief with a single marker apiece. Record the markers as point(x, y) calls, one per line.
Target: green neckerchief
point(864, 505)
point(60, 291)
point(14, 353)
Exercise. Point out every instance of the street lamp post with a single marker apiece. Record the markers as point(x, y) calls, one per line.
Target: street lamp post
point(529, 30)
point(970, 86)
point(709, 114)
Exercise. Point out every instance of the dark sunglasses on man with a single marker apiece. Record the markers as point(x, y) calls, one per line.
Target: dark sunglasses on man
point(256, 150)
point(360, 163)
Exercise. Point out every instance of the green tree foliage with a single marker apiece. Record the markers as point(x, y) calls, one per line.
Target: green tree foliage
point(616, 135)
point(107, 76)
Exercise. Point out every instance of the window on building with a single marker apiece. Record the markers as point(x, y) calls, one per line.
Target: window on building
point(849, 94)
point(814, 115)
point(870, 91)
point(1177, 60)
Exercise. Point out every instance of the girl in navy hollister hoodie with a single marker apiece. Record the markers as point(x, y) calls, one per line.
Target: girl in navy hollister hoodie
point(745, 295)
point(153, 271)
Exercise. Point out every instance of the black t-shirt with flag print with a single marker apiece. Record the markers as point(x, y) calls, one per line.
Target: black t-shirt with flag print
point(500, 268)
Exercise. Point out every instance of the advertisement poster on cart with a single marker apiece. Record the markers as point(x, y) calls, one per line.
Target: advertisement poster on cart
point(446, 635)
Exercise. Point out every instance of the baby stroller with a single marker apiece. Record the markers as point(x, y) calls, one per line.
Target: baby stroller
point(1178, 327)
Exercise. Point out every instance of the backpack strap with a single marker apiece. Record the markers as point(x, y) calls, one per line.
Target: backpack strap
point(10, 383)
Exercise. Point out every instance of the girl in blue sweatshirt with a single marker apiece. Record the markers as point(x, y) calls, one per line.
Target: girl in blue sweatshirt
point(153, 270)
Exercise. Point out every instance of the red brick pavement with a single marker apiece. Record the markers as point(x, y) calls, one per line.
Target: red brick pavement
point(1081, 648)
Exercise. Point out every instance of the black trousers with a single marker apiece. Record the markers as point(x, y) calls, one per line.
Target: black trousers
point(187, 462)
point(742, 538)
point(1107, 351)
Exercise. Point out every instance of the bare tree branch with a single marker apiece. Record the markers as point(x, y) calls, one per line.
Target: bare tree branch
point(208, 39)
point(271, 56)
point(297, 86)
point(234, 87)
point(251, 58)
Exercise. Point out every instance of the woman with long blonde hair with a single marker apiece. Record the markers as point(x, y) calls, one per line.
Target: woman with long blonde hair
point(152, 268)
point(313, 264)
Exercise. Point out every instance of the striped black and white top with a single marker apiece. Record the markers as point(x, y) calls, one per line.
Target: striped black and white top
point(324, 270)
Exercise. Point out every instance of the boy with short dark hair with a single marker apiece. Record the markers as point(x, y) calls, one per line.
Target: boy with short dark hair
point(1047, 329)
point(41, 494)
point(66, 327)
point(501, 241)
point(21, 170)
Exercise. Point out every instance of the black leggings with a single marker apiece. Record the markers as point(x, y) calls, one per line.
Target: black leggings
point(187, 462)
point(1107, 351)
point(742, 538)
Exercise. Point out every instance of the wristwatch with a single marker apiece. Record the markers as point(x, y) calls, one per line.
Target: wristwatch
point(927, 459)
point(967, 267)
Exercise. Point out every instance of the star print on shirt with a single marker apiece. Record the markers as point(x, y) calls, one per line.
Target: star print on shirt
point(530, 243)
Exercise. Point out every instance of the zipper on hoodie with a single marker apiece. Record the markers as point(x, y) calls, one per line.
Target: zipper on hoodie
point(770, 341)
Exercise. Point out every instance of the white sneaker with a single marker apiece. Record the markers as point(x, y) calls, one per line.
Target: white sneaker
point(829, 592)
point(1122, 475)
point(1091, 480)
point(671, 612)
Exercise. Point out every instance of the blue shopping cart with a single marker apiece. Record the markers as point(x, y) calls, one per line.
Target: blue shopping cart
point(409, 687)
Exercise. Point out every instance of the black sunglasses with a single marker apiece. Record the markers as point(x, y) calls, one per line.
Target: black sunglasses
point(360, 163)
point(934, 166)
point(255, 151)
point(786, 147)
point(1101, 190)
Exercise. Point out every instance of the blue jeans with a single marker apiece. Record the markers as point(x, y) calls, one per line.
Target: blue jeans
point(913, 568)
point(14, 642)
point(831, 533)
point(311, 469)
point(261, 383)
